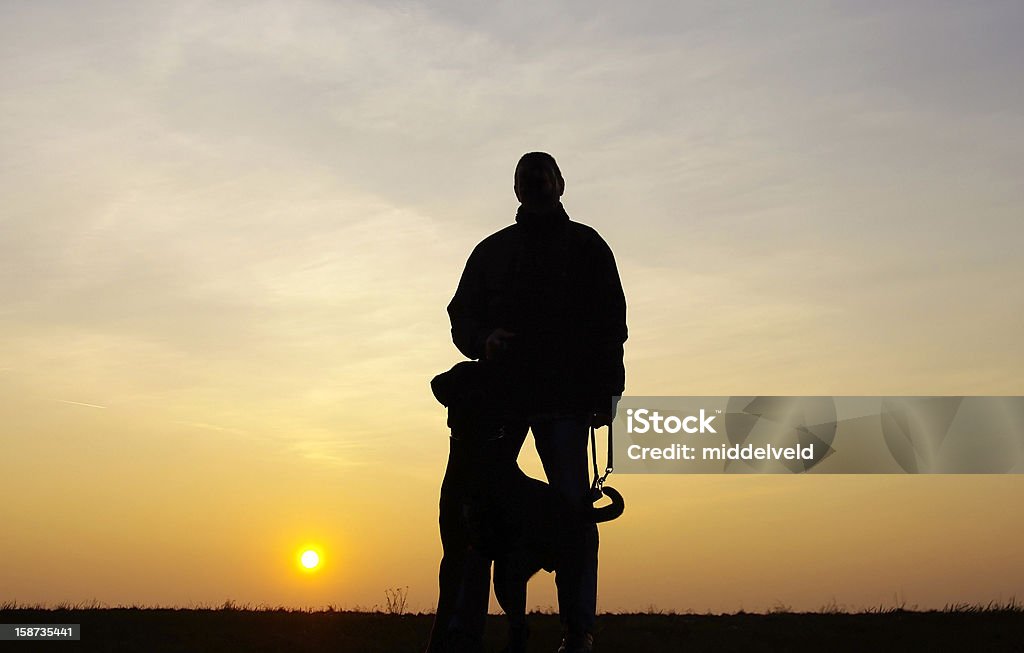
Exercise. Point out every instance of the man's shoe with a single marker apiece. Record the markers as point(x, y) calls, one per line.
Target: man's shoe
point(577, 643)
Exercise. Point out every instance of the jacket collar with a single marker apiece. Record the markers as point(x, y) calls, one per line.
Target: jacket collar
point(542, 220)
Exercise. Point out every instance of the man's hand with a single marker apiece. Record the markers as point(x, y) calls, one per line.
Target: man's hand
point(601, 419)
point(497, 343)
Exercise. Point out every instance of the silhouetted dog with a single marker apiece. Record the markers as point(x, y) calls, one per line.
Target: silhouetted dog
point(524, 525)
point(521, 523)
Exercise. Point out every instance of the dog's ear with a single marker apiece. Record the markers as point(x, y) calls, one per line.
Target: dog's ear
point(607, 513)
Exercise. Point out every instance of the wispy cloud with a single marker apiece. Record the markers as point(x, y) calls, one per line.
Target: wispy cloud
point(79, 403)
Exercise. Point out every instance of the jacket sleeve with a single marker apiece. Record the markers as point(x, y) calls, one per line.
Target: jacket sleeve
point(467, 310)
point(609, 330)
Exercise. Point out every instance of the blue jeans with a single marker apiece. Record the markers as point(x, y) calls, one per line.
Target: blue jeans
point(561, 439)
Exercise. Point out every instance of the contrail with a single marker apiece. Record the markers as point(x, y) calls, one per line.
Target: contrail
point(79, 403)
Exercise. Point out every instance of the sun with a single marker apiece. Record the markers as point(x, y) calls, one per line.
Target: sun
point(310, 559)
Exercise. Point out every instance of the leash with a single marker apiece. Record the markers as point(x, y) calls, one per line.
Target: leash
point(597, 487)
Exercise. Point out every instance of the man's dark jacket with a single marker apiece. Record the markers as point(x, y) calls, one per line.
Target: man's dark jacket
point(552, 282)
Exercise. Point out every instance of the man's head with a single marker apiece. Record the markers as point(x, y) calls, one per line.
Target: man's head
point(538, 181)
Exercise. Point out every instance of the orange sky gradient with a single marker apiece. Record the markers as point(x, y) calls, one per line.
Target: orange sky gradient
point(229, 237)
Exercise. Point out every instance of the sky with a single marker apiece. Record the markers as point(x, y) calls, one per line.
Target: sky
point(230, 230)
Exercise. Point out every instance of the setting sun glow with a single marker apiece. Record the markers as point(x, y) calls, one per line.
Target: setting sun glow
point(310, 559)
point(230, 237)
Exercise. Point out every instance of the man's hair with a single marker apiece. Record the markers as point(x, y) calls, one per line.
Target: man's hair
point(537, 161)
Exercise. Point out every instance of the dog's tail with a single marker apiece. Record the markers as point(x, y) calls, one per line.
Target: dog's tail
point(609, 512)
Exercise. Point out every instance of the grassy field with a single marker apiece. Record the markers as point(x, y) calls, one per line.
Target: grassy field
point(230, 628)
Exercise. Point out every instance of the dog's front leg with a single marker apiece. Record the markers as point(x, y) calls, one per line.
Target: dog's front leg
point(510, 590)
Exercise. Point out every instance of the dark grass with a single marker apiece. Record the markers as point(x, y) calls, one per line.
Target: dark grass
point(993, 627)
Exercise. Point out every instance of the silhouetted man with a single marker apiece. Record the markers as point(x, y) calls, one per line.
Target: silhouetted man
point(542, 298)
